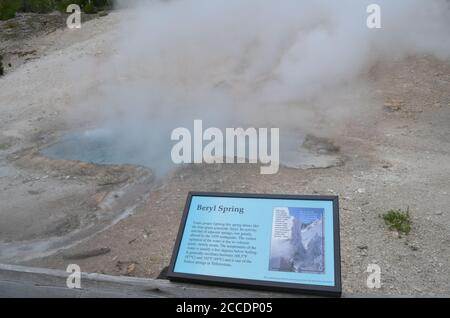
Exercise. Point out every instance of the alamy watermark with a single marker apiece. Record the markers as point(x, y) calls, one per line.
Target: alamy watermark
point(235, 145)
point(74, 279)
point(373, 20)
point(74, 19)
point(374, 278)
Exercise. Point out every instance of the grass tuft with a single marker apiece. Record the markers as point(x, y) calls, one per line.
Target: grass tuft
point(398, 220)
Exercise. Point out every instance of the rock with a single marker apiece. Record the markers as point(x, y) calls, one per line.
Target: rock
point(363, 250)
point(132, 241)
point(417, 289)
point(99, 197)
point(127, 268)
point(320, 145)
point(393, 105)
point(131, 268)
point(87, 254)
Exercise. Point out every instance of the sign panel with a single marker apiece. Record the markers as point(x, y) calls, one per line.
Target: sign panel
point(275, 242)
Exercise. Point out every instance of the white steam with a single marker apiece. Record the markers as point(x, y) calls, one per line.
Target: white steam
point(252, 62)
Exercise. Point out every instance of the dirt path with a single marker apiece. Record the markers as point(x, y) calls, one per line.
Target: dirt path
point(399, 157)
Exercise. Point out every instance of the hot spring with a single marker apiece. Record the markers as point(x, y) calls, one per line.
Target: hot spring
point(107, 147)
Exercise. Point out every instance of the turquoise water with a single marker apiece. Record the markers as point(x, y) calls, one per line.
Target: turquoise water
point(104, 146)
point(96, 146)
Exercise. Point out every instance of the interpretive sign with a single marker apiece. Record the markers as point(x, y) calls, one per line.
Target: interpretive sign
point(276, 242)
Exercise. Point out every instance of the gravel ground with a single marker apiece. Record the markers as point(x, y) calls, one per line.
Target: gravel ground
point(397, 157)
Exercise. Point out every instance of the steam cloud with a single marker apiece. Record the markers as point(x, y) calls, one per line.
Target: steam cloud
point(251, 63)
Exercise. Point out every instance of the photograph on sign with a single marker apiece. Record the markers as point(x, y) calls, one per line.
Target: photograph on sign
point(297, 240)
point(279, 242)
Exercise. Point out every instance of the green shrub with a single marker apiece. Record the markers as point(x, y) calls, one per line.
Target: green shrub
point(89, 9)
point(100, 3)
point(38, 6)
point(8, 8)
point(63, 4)
point(398, 220)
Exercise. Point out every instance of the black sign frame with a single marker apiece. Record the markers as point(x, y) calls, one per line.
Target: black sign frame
point(333, 291)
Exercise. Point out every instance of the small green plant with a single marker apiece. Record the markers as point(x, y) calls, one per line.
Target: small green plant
point(89, 8)
point(398, 220)
point(4, 146)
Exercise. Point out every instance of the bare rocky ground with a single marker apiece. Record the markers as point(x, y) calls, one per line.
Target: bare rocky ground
point(399, 157)
point(18, 36)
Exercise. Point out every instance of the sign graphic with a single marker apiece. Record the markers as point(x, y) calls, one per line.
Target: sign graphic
point(276, 242)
